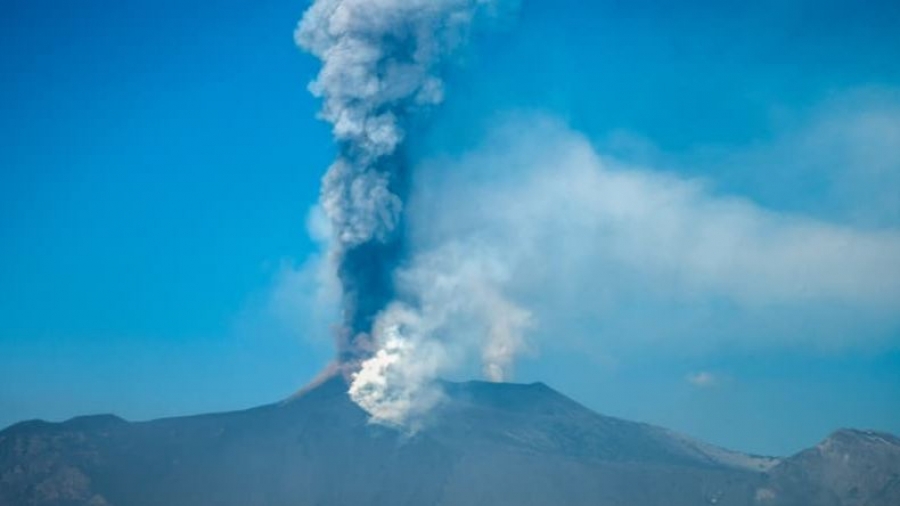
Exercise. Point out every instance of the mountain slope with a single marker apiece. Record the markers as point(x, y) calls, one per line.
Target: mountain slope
point(849, 468)
point(490, 444)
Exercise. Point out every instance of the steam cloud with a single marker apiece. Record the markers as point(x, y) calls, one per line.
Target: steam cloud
point(381, 62)
point(617, 260)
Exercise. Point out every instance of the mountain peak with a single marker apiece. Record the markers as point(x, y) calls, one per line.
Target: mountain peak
point(847, 436)
point(489, 443)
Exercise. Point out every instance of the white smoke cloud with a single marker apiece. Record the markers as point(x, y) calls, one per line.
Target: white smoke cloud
point(614, 257)
point(460, 315)
point(395, 386)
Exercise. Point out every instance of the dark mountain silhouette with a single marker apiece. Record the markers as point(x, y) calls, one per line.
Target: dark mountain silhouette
point(489, 444)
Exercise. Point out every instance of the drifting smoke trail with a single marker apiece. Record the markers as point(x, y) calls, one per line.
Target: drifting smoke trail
point(380, 66)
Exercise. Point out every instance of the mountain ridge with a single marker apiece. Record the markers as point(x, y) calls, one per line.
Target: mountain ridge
point(486, 444)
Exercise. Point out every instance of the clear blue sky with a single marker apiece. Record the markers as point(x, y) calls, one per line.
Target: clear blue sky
point(158, 160)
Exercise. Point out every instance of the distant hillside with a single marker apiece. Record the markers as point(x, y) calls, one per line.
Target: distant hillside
point(489, 444)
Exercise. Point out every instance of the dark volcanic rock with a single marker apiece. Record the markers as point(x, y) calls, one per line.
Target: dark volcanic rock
point(489, 444)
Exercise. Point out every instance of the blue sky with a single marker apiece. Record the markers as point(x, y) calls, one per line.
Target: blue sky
point(158, 161)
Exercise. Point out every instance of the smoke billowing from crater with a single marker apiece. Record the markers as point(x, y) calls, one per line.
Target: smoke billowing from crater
point(381, 62)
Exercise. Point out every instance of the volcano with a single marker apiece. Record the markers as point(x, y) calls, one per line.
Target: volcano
point(487, 444)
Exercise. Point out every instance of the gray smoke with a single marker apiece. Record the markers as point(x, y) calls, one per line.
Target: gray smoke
point(381, 64)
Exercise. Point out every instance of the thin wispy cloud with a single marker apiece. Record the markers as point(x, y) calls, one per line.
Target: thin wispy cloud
point(702, 379)
point(839, 160)
point(644, 256)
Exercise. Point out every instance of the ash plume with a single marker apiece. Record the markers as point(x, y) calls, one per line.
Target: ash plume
point(381, 65)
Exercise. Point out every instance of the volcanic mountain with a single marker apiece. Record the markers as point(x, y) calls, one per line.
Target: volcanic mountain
point(488, 444)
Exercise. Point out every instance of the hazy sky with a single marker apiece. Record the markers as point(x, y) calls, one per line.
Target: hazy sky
point(158, 161)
